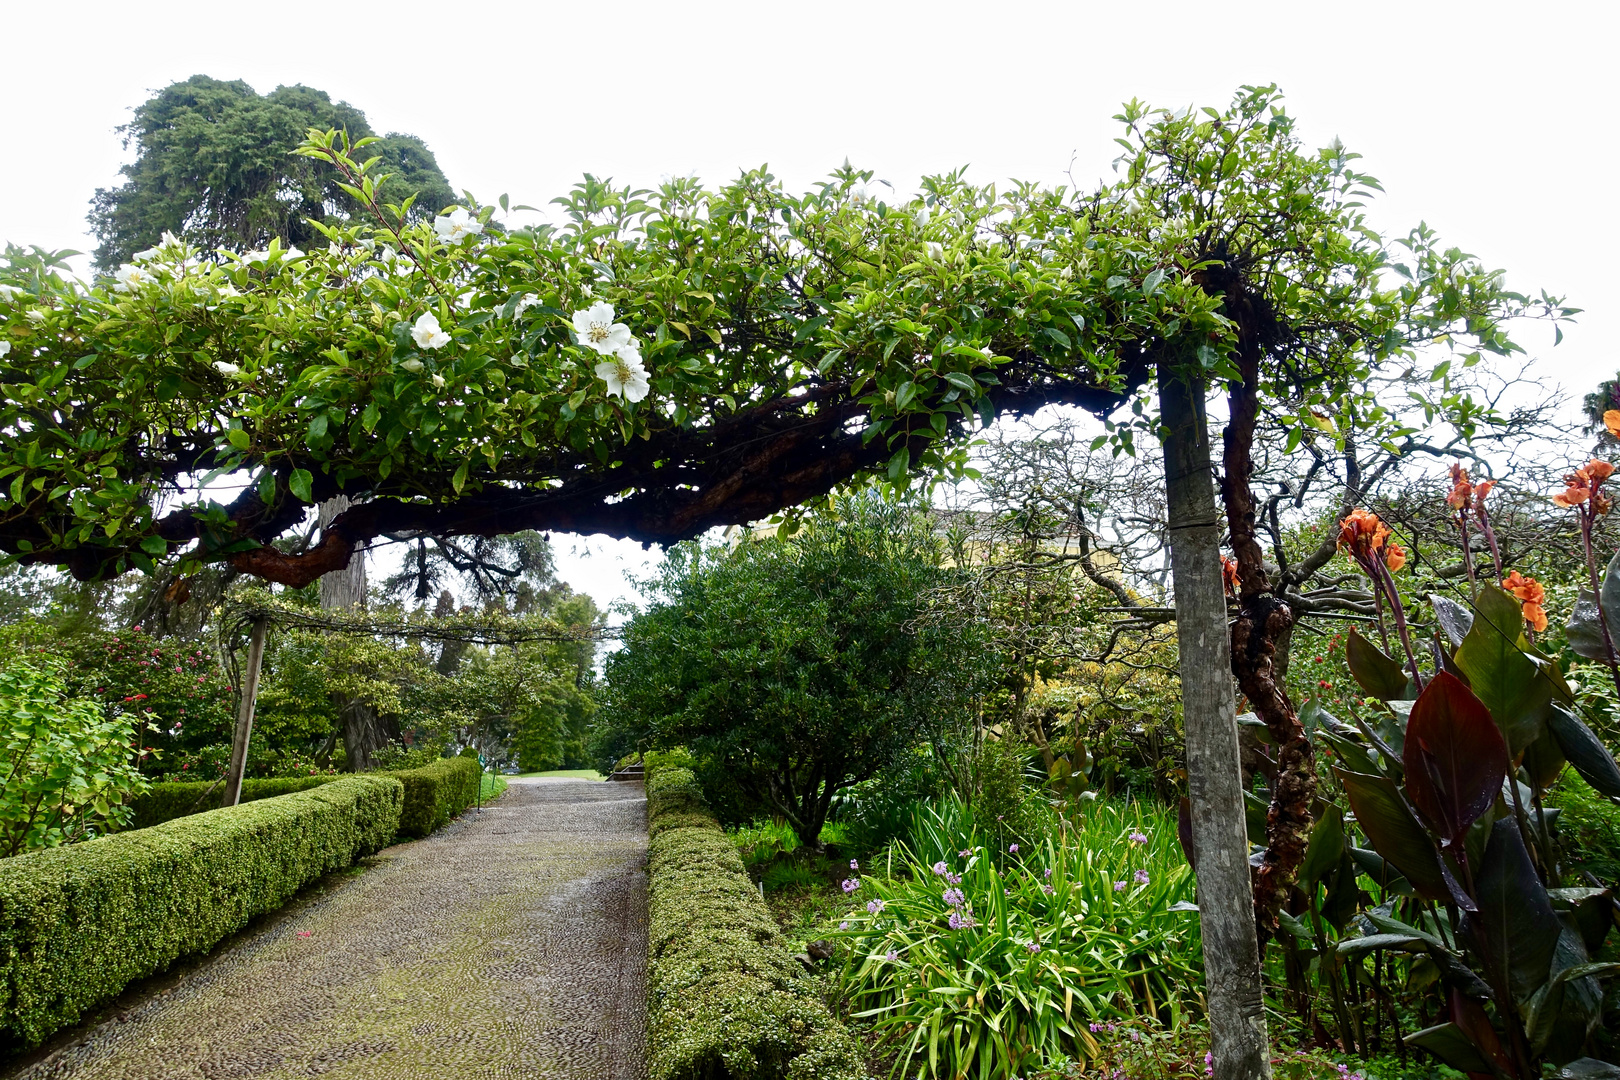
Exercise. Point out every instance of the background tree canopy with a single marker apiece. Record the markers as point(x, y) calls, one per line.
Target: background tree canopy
point(215, 165)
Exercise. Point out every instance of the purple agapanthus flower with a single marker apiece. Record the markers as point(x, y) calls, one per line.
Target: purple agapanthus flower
point(1142, 877)
point(854, 864)
point(1012, 848)
point(1119, 886)
point(953, 897)
point(966, 853)
point(1048, 890)
point(959, 921)
point(874, 906)
point(939, 867)
point(953, 879)
point(851, 884)
point(1139, 838)
point(892, 956)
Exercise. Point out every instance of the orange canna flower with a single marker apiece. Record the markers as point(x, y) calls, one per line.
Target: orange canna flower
point(1536, 616)
point(1229, 575)
point(1362, 530)
point(1483, 488)
point(1395, 556)
point(1573, 495)
point(1527, 589)
point(1611, 420)
point(1461, 491)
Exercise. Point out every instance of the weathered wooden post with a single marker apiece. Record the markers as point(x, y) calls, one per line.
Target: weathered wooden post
point(244, 715)
point(1237, 1020)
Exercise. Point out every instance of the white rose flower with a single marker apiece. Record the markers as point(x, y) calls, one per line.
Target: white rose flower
point(131, 277)
point(597, 329)
point(226, 369)
point(412, 365)
point(5, 348)
point(625, 374)
point(426, 332)
point(260, 256)
point(292, 253)
point(456, 226)
point(529, 300)
point(35, 317)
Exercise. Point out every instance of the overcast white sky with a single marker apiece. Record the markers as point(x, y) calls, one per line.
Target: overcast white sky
point(1493, 122)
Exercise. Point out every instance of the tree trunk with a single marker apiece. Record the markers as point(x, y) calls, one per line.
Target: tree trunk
point(345, 590)
point(1214, 779)
point(244, 715)
point(1264, 624)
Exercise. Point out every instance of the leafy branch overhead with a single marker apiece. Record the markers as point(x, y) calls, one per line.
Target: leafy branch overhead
point(766, 347)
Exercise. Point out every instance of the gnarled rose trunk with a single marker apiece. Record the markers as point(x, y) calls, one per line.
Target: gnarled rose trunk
point(1263, 623)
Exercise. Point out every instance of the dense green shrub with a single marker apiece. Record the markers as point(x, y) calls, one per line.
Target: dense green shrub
point(724, 999)
point(436, 793)
point(166, 801)
point(65, 766)
point(79, 923)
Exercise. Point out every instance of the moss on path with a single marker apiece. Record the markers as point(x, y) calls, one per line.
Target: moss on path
point(511, 944)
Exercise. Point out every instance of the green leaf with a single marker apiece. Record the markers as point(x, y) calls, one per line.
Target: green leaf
point(1500, 674)
point(317, 426)
point(238, 438)
point(1150, 284)
point(1326, 846)
point(1378, 674)
point(904, 393)
point(1448, 1043)
point(369, 417)
point(1516, 922)
point(267, 487)
point(459, 480)
point(1395, 834)
point(1453, 618)
point(155, 545)
point(1585, 751)
point(961, 380)
point(299, 484)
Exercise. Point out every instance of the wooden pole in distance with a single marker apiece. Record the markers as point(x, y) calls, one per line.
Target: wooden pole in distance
point(244, 716)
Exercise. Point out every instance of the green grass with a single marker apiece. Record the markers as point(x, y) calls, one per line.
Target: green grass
point(491, 786)
point(573, 774)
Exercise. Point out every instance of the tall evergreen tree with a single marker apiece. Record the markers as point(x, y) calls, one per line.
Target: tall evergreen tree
point(214, 165)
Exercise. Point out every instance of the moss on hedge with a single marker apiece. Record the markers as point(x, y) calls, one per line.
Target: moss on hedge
point(437, 792)
point(79, 923)
point(724, 997)
point(172, 799)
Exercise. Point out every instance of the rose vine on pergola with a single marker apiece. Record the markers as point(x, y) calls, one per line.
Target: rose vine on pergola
point(667, 361)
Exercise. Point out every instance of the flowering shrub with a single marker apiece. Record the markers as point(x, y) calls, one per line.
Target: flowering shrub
point(174, 685)
point(986, 961)
point(66, 768)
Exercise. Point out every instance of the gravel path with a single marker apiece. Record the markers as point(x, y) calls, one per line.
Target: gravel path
point(511, 944)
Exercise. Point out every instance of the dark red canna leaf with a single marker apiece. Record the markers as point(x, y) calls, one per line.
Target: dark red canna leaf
point(1455, 756)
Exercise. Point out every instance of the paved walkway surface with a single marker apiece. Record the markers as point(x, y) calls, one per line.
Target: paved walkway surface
point(512, 944)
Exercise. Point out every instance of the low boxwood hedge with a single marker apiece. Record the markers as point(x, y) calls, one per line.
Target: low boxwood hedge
point(724, 997)
point(434, 794)
point(438, 792)
point(79, 923)
point(169, 800)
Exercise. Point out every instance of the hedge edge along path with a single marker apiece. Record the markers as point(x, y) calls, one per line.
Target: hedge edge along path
point(434, 794)
point(80, 923)
point(724, 999)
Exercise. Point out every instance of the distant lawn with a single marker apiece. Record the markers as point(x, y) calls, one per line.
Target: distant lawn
point(572, 774)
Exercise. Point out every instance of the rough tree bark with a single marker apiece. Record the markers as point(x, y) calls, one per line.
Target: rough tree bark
point(345, 590)
point(1263, 626)
point(1214, 778)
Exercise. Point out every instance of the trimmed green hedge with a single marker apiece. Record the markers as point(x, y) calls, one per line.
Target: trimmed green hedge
point(169, 800)
point(434, 794)
point(438, 792)
point(724, 997)
point(79, 923)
